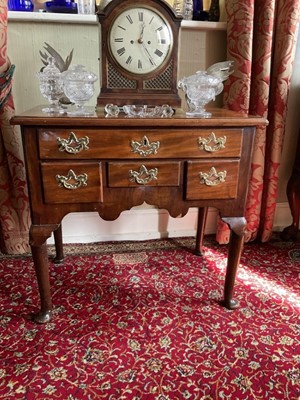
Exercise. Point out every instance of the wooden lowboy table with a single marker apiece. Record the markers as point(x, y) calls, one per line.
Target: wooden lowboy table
point(77, 164)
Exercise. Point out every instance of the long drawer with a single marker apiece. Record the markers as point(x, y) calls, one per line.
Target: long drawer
point(82, 143)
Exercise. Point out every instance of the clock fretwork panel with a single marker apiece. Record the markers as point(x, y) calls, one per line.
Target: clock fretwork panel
point(115, 80)
point(119, 81)
point(162, 81)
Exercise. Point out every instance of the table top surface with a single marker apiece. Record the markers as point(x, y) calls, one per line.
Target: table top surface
point(220, 117)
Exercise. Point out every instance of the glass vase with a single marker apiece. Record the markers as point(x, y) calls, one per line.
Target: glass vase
point(197, 9)
point(214, 11)
point(20, 5)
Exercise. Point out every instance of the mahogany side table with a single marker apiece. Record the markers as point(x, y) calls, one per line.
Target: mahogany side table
point(108, 165)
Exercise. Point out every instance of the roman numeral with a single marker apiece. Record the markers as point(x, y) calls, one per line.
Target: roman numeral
point(160, 28)
point(163, 41)
point(150, 22)
point(158, 53)
point(129, 19)
point(119, 40)
point(121, 27)
point(129, 60)
point(121, 51)
point(141, 16)
point(140, 66)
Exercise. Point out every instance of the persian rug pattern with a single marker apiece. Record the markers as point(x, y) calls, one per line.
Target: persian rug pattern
point(142, 320)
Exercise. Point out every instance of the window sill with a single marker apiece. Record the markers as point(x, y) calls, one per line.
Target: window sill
point(92, 19)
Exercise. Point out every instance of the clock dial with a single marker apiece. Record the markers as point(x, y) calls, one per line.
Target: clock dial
point(140, 40)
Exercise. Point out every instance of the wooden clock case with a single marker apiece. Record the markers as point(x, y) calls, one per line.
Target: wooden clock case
point(120, 87)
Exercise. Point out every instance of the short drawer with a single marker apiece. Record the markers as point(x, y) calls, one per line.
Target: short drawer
point(212, 180)
point(130, 174)
point(72, 182)
point(79, 143)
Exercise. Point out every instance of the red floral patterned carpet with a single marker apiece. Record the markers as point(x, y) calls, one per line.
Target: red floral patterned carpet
point(141, 320)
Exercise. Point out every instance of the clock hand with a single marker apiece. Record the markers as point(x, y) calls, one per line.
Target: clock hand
point(140, 40)
point(149, 55)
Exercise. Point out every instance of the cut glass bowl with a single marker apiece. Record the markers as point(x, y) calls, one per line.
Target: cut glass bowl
point(78, 86)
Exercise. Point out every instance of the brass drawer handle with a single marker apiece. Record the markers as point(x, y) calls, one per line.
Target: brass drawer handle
point(73, 145)
point(72, 181)
point(144, 147)
point(213, 178)
point(143, 176)
point(212, 143)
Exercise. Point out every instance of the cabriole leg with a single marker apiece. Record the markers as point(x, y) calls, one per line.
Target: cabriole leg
point(38, 236)
point(40, 259)
point(59, 258)
point(237, 226)
point(202, 216)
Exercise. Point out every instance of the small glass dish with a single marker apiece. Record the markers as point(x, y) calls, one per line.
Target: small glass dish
point(145, 111)
point(111, 110)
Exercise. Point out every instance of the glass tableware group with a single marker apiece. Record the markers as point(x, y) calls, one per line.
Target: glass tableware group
point(139, 111)
point(76, 83)
point(145, 111)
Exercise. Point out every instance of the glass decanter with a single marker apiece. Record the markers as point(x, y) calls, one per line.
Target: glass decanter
point(51, 87)
point(79, 88)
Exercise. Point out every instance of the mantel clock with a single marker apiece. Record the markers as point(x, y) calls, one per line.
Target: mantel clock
point(139, 58)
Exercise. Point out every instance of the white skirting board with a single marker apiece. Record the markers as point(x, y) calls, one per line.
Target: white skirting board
point(146, 223)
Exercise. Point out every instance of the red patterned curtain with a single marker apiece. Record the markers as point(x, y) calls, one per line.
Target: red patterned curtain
point(261, 39)
point(14, 207)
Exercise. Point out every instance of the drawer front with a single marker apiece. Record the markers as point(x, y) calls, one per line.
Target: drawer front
point(133, 174)
point(212, 180)
point(72, 183)
point(139, 143)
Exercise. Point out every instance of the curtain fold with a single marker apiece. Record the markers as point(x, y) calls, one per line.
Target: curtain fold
point(261, 39)
point(14, 205)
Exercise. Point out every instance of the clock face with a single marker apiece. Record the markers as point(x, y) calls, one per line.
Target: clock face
point(140, 40)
